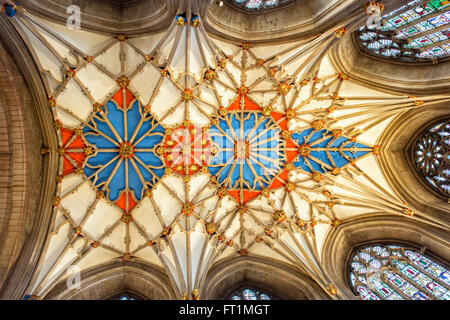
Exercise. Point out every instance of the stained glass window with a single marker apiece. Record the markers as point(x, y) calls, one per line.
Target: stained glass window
point(258, 4)
point(247, 293)
point(391, 272)
point(431, 156)
point(125, 297)
point(417, 31)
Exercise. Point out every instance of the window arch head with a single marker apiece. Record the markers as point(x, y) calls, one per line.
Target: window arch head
point(395, 272)
point(431, 156)
point(417, 31)
point(249, 293)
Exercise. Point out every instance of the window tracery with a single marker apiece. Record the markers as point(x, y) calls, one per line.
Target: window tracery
point(258, 4)
point(247, 293)
point(394, 272)
point(431, 156)
point(417, 31)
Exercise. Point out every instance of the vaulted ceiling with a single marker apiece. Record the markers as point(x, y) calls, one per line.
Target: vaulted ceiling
point(179, 149)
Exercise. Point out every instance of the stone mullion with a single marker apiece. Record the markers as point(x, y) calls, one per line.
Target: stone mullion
point(410, 281)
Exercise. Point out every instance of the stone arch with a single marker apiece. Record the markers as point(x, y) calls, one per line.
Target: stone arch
point(403, 178)
point(358, 231)
point(20, 163)
point(275, 278)
point(145, 281)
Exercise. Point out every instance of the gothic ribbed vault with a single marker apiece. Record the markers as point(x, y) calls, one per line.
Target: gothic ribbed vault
point(177, 150)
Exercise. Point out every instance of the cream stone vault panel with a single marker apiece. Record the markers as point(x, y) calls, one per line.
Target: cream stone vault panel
point(178, 149)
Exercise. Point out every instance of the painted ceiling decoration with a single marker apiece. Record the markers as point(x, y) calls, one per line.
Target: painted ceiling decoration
point(416, 31)
point(178, 149)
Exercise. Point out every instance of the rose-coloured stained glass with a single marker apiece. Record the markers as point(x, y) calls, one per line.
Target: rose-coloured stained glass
point(399, 274)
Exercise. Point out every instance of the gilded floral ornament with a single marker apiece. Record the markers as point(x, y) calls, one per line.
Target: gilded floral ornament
point(211, 228)
point(181, 20)
point(336, 171)
point(340, 32)
point(343, 76)
point(187, 208)
point(95, 244)
point(368, 7)
point(51, 102)
point(271, 72)
point(331, 288)
point(222, 63)
point(79, 171)
point(279, 216)
point(57, 124)
point(165, 232)
point(301, 223)
point(126, 256)
point(335, 223)
point(246, 46)
point(267, 110)
point(290, 187)
point(210, 74)
point(126, 218)
point(77, 230)
point(318, 124)
point(195, 20)
point(290, 114)
point(44, 151)
point(222, 192)
point(243, 252)
point(317, 176)
point(70, 73)
point(283, 88)
point(265, 192)
point(88, 151)
point(164, 72)
point(97, 107)
point(187, 95)
point(195, 294)
point(326, 193)
point(56, 201)
point(121, 37)
point(419, 102)
point(242, 209)
point(408, 212)
point(100, 194)
point(304, 150)
point(123, 81)
point(376, 150)
point(243, 90)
